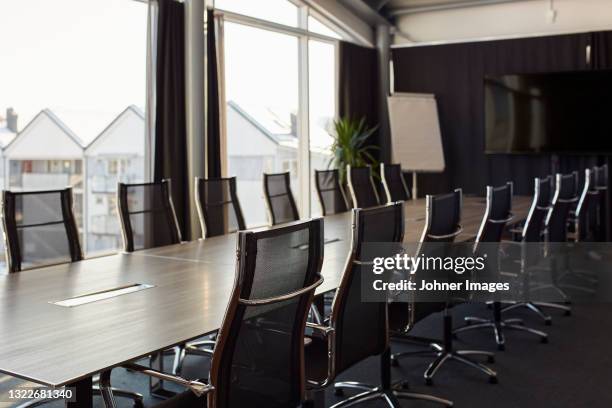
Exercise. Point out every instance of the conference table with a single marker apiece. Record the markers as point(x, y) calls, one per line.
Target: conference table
point(144, 302)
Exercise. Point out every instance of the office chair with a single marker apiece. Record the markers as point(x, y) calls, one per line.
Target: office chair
point(603, 215)
point(498, 214)
point(358, 330)
point(581, 227)
point(393, 182)
point(147, 215)
point(555, 217)
point(40, 230)
point(259, 357)
point(331, 194)
point(362, 187)
point(218, 206)
point(442, 226)
point(279, 198)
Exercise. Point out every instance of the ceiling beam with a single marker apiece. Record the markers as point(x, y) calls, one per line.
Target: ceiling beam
point(447, 6)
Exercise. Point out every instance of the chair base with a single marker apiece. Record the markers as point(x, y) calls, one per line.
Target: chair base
point(499, 327)
point(536, 307)
point(391, 397)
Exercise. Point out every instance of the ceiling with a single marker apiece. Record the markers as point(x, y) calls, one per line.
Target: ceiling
point(392, 8)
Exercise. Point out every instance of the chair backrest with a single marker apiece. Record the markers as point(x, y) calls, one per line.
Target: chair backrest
point(258, 359)
point(442, 226)
point(540, 206)
point(39, 229)
point(218, 206)
point(361, 185)
point(600, 221)
point(361, 328)
point(442, 217)
point(498, 213)
point(586, 208)
point(279, 198)
point(330, 192)
point(393, 182)
point(564, 200)
point(147, 215)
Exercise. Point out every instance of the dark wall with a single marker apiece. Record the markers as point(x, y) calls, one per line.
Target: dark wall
point(455, 72)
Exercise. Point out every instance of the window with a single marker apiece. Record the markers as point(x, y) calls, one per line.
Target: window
point(316, 26)
point(262, 104)
point(69, 99)
point(322, 108)
point(278, 11)
point(281, 101)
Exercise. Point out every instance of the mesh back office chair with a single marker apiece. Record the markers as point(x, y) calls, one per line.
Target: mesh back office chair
point(548, 221)
point(603, 215)
point(442, 226)
point(279, 198)
point(218, 206)
point(362, 187)
point(498, 214)
point(330, 192)
point(259, 357)
point(358, 330)
point(147, 215)
point(394, 183)
point(582, 225)
point(40, 229)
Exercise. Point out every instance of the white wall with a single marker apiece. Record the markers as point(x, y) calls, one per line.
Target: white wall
point(521, 18)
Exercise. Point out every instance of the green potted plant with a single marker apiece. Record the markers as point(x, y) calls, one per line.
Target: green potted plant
point(351, 146)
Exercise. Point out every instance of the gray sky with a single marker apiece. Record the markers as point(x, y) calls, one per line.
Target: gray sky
point(87, 55)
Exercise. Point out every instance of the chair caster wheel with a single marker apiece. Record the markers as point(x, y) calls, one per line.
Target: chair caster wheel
point(567, 313)
point(491, 359)
point(544, 340)
point(428, 381)
point(548, 322)
point(394, 362)
point(493, 380)
point(338, 392)
point(501, 347)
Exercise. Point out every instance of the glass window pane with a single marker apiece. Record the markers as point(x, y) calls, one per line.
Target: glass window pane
point(322, 108)
point(66, 70)
point(318, 27)
point(278, 11)
point(261, 79)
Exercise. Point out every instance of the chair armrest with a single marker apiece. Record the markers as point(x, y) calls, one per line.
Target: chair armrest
point(320, 328)
point(189, 349)
point(197, 387)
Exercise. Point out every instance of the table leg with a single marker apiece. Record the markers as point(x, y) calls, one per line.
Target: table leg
point(156, 386)
point(83, 394)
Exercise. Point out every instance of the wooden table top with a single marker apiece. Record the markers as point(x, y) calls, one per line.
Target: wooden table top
point(55, 346)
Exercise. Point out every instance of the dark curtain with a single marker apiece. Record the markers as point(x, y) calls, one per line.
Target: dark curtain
point(170, 125)
point(455, 72)
point(357, 84)
point(213, 125)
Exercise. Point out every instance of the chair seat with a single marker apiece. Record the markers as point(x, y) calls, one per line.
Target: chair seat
point(185, 399)
point(316, 359)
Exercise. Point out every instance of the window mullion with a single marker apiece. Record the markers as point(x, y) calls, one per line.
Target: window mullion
point(303, 118)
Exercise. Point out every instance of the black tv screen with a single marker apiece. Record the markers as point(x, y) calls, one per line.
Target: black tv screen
point(560, 113)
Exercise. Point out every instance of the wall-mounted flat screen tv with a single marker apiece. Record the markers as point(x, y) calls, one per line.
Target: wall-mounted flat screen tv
point(557, 113)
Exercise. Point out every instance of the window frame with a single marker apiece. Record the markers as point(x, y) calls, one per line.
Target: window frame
point(303, 118)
